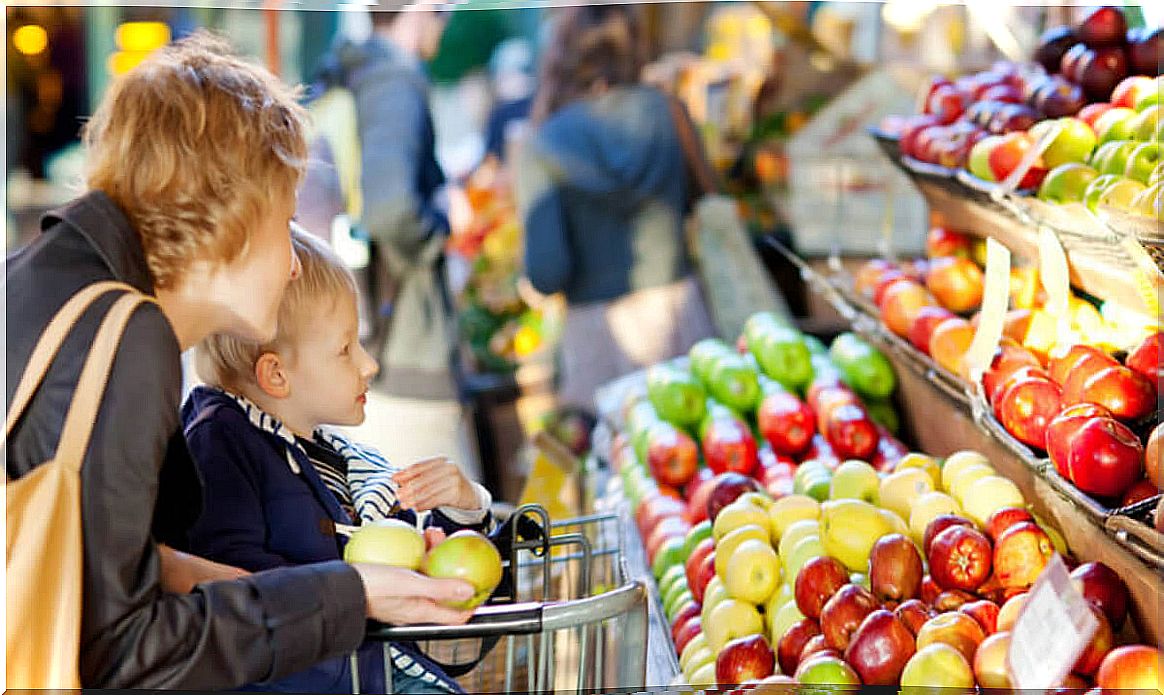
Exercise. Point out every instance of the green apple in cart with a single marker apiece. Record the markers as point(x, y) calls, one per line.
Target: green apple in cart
point(676, 394)
point(1066, 183)
point(697, 533)
point(1143, 160)
point(468, 556)
point(1147, 123)
point(1074, 143)
point(672, 577)
point(669, 554)
point(1112, 157)
point(855, 480)
point(979, 160)
point(1115, 124)
point(1151, 97)
point(732, 381)
point(702, 356)
point(1095, 189)
point(1120, 194)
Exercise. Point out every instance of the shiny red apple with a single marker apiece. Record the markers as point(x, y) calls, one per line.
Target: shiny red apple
point(1104, 458)
point(786, 423)
point(895, 569)
point(1103, 588)
point(1128, 395)
point(960, 558)
point(1027, 406)
point(1003, 519)
point(819, 579)
point(937, 525)
point(843, 613)
point(792, 643)
point(914, 613)
point(1148, 357)
point(880, 648)
point(1064, 426)
point(743, 659)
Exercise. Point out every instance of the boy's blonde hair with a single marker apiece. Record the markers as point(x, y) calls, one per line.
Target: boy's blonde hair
point(194, 144)
point(229, 363)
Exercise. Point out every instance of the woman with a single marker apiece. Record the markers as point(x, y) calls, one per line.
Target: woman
point(193, 158)
point(603, 191)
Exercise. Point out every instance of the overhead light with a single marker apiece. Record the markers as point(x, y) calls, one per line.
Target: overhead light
point(30, 39)
point(142, 36)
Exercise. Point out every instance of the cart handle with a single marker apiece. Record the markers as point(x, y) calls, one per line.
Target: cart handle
point(520, 618)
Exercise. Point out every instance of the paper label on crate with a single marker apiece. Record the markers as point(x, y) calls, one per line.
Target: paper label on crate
point(1051, 632)
point(1056, 279)
point(995, 298)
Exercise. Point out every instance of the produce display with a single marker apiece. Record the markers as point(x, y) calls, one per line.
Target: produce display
point(1097, 85)
point(1058, 389)
point(830, 554)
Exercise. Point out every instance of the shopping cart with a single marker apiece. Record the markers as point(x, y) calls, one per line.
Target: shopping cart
point(570, 617)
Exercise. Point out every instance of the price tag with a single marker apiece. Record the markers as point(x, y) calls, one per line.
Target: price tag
point(1051, 631)
point(1056, 280)
point(995, 298)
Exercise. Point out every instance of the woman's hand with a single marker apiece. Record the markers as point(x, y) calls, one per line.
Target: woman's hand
point(403, 597)
point(181, 572)
point(435, 482)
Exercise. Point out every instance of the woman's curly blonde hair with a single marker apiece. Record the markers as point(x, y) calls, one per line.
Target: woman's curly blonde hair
point(196, 144)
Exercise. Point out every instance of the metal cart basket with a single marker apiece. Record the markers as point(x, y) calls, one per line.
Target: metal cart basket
point(574, 619)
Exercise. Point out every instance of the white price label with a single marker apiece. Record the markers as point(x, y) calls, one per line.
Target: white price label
point(995, 298)
point(1051, 631)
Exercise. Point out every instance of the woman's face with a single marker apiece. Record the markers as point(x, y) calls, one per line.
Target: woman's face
point(252, 285)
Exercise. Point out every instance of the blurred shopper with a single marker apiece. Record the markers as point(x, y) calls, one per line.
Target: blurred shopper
point(603, 189)
point(194, 157)
point(416, 408)
point(512, 73)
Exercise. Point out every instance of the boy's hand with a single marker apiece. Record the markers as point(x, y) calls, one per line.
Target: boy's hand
point(432, 483)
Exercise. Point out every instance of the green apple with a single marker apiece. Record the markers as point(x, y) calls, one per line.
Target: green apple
point(828, 671)
point(753, 572)
point(1074, 143)
point(697, 644)
point(1114, 125)
point(727, 545)
point(697, 533)
point(669, 554)
point(1112, 157)
point(1151, 97)
point(739, 514)
point(672, 577)
point(1150, 201)
point(783, 594)
point(1120, 194)
point(469, 556)
point(386, 542)
point(1095, 189)
point(817, 485)
point(1066, 183)
point(1147, 123)
point(979, 160)
point(855, 480)
point(731, 619)
point(680, 598)
point(1143, 160)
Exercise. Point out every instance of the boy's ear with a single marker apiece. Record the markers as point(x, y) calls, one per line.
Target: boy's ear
point(271, 376)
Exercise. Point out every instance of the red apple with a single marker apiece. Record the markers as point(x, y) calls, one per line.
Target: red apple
point(887, 280)
point(914, 613)
point(956, 283)
point(985, 613)
point(1062, 363)
point(960, 558)
point(930, 591)
point(698, 492)
point(814, 646)
point(1007, 156)
point(1027, 407)
point(1090, 114)
point(1101, 586)
point(1145, 50)
point(947, 102)
point(1141, 490)
point(915, 125)
point(1103, 26)
point(792, 643)
point(688, 630)
point(1052, 45)
point(869, 274)
point(943, 241)
point(743, 659)
point(672, 455)
point(821, 450)
point(880, 648)
point(704, 573)
point(895, 569)
point(1148, 357)
point(901, 303)
point(1017, 375)
point(1008, 358)
point(1063, 428)
point(693, 564)
point(1130, 89)
point(786, 423)
point(655, 507)
point(851, 432)
point(843, 613)
point(928, 318)
point(1152, 468)
point(1104, 458)
point(726, 487)
point(1134, 667)
point(1020, 554)
point(1128, 395)
point(1101, 643)
point(956, 629)
point(819, 579)
point(937, 525)
point(1105, 69)
point(949, 343)
point(1003, 519)
point(890, 450)
point(728, 445)
point(952, 600)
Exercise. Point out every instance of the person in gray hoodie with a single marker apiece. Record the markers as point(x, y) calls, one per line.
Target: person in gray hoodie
point(603, 190)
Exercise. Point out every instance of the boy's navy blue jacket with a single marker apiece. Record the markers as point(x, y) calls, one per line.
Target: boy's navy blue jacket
point(260, 512)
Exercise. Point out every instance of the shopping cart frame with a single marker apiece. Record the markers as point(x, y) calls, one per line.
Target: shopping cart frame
point(542, 621)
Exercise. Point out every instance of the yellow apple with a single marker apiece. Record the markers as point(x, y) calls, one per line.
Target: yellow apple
point(757, 498)
point(805, 549)
point(387, 542)
point(787, 616)
point(855, 480)
point(850, 528)
point(726, 546)
point(703, 676)
point(927, 508)
point(958, 462)
point(697, 644)
point(793, 534)
point(960, 484)
point(937, 665)
point(783, 594)
point(788, 510)
point(739, 514)
point(989, 494)
point(926, 463)
point(900, 488)
point(753, 572)
point(713, 595)
point(896, 523)
point(732, 619)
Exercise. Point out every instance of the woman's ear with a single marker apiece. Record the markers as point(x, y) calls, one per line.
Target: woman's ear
point(271, 375)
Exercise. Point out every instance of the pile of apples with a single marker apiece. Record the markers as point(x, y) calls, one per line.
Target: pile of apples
point(1039, 376)
point(913, 577)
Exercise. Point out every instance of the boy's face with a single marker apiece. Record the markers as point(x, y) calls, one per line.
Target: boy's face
point(329, 371)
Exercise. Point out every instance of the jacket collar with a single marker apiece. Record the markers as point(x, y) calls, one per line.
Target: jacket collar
point(108, 230)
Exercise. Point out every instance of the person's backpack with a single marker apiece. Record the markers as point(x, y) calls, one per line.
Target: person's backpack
point(44, 558)
point(331, 205)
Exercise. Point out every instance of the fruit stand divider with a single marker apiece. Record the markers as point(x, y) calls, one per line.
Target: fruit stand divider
point(942, 421)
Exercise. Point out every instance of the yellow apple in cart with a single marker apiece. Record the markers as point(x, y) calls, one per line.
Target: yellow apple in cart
point(753, 572)
point(926, 463)
point(850, 528)
point(739, 514)
point(471, 557)
point(387, 542)
point(896, 523)
point(713, 595)
point(805, 549)
point(788, 510)
point(958, 462)
point(793, 535)
point(987, 495)
point(938, 665)
point(726, 547)
point(900, 488)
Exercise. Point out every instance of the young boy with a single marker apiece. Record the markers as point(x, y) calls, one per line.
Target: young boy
point(280, 490)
